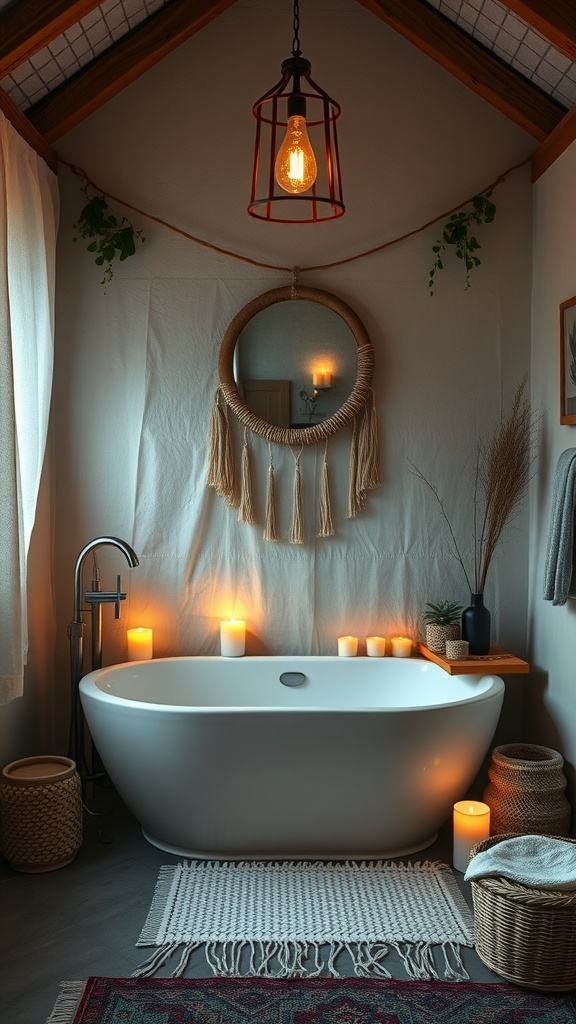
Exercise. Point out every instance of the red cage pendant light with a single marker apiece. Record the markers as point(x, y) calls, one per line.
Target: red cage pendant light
point(296, 176)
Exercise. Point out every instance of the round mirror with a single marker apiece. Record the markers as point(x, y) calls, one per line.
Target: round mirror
point(296, 365)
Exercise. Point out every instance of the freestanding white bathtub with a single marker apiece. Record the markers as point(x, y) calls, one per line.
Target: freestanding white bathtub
point(219, 758)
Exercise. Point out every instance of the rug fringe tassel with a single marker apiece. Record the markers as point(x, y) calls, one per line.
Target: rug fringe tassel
point(159, 957)
point(455, 971)
point(418, 960)
point(185, 958)
point(366, 958)
point(67, 1002)
point(241, 958)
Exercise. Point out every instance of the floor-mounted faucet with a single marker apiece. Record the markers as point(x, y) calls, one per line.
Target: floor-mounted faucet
point(95, 597)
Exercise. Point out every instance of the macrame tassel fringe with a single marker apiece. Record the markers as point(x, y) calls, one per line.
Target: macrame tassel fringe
point(368, 448)
point(246, 507)
point(355, 496)
point(220, 455)
point(297, 527)
point(270, 525)
point(325, 527)
point(364, 458)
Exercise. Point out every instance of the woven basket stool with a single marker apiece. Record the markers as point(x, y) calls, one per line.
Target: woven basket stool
point(525, 935)
point(41, 813)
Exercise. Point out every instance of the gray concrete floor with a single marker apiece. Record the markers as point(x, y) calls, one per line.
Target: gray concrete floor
point(85, 919)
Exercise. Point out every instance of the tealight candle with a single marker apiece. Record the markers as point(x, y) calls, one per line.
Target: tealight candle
point(375, 646)
point(401, 647)
point(347, 646)
point(139, 642)
point(232, 638)
point(471, 825)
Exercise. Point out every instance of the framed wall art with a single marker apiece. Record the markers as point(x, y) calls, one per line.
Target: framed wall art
point(568, 361)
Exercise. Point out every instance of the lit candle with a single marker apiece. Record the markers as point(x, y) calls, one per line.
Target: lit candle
point(347, 646)
point(232, 638)
point(317, 379)
point(139, 643)
point(327, 380)
point(471, 825)
point(375, 646)
point(401, 647)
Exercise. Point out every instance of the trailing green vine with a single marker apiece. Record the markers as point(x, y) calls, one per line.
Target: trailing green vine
point(110, 236)
point(456, 233)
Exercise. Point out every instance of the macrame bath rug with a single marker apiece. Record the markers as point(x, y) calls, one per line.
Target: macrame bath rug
point(295, 919)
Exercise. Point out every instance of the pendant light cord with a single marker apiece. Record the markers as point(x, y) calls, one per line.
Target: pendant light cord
point(273, 266)
point(296, 51)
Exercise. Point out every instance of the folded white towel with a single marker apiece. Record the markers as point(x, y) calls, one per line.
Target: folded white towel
point(537, 861)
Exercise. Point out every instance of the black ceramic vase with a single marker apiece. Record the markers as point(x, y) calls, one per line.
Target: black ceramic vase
point(476, 625)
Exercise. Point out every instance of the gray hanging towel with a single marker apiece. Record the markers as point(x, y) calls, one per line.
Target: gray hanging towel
point(560, 571)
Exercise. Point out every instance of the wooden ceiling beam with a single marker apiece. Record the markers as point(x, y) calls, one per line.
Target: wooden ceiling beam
point(26, 26)
point(555, 21)
point(473, 65)
point(20, 122)
point(121, 64)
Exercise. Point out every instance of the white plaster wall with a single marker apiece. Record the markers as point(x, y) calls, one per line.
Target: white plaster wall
point(550, 715)
point(178, 144)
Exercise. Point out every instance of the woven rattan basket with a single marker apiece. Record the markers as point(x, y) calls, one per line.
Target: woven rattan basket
point(525, 935)
point(41, 813)
point(526, 791)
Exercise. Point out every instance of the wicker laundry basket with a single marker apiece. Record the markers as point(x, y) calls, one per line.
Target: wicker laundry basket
point(40, 813)
point(525, 935)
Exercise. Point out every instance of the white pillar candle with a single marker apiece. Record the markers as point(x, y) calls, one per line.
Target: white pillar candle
point(401, 647)
point(232, 638)
point(139, 643)
point(375, 646)
point(347, 646)
point(471, 825)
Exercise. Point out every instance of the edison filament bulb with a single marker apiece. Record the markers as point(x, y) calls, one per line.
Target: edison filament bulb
point(295, 165)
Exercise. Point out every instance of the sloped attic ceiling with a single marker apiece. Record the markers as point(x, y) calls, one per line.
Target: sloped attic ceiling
point(62, 59)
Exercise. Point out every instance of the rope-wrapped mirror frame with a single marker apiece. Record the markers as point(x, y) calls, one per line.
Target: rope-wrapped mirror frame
point(345, 414)
point(359, 410)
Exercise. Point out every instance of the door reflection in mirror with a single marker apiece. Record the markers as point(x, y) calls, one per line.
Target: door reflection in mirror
point(295, 363)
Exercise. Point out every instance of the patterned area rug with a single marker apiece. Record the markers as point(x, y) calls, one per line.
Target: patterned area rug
point(312, 1001)
point(295, 919)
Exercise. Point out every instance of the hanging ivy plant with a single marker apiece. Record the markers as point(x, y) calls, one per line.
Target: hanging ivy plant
point(110, 237)
point(457, 234)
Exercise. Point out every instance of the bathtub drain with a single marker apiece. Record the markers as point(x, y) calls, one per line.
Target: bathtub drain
point(292, 678)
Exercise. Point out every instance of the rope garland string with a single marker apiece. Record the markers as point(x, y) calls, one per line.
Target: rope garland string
point(271, 266)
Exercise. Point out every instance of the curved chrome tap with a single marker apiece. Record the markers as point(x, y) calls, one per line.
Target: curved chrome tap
point(99, 542)
point(96, 597)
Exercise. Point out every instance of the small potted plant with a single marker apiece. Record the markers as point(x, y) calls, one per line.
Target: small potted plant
point(442, 622)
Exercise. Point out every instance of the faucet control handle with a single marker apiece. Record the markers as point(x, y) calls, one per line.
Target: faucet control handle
point(107, 597)
point(119, 597)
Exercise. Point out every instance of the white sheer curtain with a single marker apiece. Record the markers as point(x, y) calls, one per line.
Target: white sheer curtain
point(28, 223)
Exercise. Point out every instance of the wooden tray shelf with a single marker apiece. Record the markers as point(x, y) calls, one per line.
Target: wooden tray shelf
point(499, 662)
